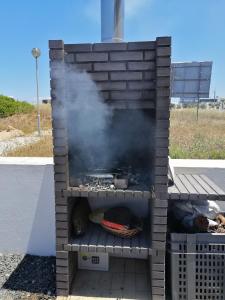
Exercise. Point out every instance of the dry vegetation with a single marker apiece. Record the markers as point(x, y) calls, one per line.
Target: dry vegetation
point(202, 139)
point(43, 148)
point(188, 138)
point(28, 122)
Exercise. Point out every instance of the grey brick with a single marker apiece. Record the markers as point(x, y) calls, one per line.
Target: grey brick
point(111, 66)
point(78, 47)
point(69, 58)
point(163, 92)
point(126, 55)
point(99, 76)
point(62, 254)
point(162, 114)
point(62, 285)
point(161, 187)
point(61, 225)
point(109, 46)
point(83, 67)
point(141, 85)
point(163, 71)
point(61, 240)
point(159, 236)
point(60, 186)
point(162, 133)
point(161, 203)
point(105, 95)
point(135, 95)
point(159, 228)
point(160, 220)
point(157, 291)
point(91, 57)
point(161, 170)
point(158, 297)
point(61, 217)
point(60, 150)
point(158, 267)
point(59, 133)
point(158, 244)
point(162, 142)
point(119, 85)
point(149, 75)
point(62, 270)
point(161, 179)
point(60, 142)
point(149, 55)
point(61, 209)
point(62, 277)
point(163, 62)
point(141, 45)
point(162, 152)
point(62, 292)
point(158, 259)
point(160, 212)
point(163, 41)
point(142, 65)
point(60, 201)
point(62, 233)
point(163, 82)
point(60, 177)
point(158, 282)
point(126, 75)
point(163, 51)
point(163, 102)
point(56, 54)
point(148, 94)
point(55, 44)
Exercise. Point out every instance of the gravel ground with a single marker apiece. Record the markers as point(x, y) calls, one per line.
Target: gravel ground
point(27, 277)
point(13, 143)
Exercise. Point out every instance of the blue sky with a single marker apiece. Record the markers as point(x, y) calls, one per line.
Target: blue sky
point(197, 28)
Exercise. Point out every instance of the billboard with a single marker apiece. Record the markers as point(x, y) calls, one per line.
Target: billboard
point(191, 80)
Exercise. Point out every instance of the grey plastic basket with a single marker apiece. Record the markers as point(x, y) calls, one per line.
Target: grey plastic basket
point(197, 266)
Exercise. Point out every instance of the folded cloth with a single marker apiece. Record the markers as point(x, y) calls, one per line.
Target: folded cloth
point(186, 212)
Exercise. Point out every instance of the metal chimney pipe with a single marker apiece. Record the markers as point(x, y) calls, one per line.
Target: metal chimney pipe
point(112, 20)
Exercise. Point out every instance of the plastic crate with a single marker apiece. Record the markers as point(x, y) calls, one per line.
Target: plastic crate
point(197, 266)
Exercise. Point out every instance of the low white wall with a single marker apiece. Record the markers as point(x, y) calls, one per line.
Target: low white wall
point(27, 218)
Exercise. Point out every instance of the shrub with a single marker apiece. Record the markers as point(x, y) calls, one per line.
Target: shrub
point(10, 106)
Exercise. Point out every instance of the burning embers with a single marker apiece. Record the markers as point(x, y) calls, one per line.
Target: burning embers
point(118, 179)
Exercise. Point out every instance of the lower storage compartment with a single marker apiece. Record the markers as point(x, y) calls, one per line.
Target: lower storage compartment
point(197, 266)
point(126, 279)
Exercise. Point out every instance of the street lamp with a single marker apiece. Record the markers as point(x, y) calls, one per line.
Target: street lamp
point(36, 52)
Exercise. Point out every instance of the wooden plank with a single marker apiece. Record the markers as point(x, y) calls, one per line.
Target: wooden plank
point(101, 245)
point(184, 194)
point(216, 188)
point(173, 192)
point(210, 192)
point(201, 192)
point(192, 191)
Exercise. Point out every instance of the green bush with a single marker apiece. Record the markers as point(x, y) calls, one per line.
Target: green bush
point(10, 106)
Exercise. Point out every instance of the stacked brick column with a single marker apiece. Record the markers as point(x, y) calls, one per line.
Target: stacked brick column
point(60, 149)
point(159, 212)
point(129, 75)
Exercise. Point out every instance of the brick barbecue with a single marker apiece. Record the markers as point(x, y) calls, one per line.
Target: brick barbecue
point(132, 78)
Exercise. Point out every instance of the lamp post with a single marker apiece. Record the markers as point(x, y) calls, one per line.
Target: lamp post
point(36, 52)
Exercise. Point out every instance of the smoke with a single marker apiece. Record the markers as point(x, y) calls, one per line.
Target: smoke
point(98, 136)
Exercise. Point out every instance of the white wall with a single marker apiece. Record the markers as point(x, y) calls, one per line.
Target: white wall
point(27, 220)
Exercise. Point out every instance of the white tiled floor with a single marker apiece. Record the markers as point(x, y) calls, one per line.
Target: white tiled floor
point(126, 279)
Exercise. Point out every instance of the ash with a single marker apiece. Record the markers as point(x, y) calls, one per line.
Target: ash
point(137, 181)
